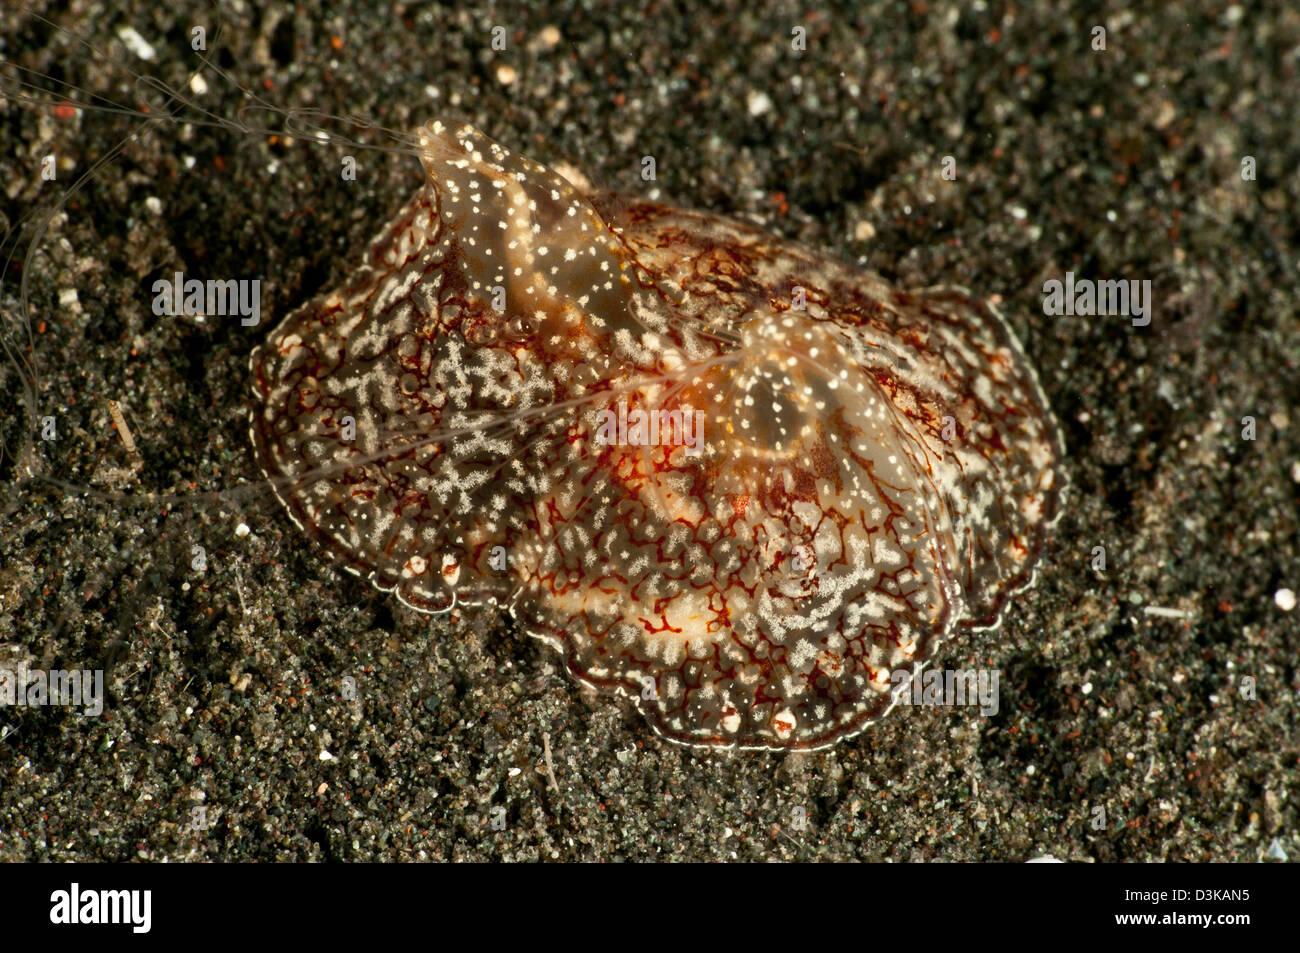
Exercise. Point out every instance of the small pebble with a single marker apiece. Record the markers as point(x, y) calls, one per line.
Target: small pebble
point(758, 102)
point(135, 42)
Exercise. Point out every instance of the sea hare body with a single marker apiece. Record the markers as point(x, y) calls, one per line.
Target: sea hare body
point(720, 473)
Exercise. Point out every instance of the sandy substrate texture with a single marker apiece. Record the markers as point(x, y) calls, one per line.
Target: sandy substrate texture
point(224, 686)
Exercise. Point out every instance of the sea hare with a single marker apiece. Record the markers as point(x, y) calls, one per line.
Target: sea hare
point(720, 473)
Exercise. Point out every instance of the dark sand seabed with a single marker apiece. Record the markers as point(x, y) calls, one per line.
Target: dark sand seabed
point(223, 686)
